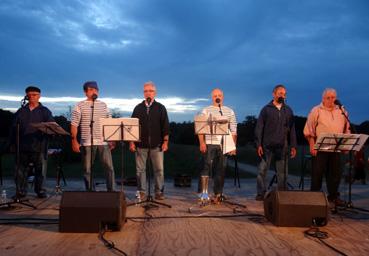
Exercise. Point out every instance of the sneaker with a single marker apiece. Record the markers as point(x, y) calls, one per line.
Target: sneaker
point(140, 195)
point(159, 196)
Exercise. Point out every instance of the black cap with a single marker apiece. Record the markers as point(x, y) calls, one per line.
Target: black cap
point(90, 84)
point(32, 89)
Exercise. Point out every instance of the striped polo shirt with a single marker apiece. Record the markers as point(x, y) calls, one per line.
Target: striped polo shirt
point(81, 117)
point(227, 112)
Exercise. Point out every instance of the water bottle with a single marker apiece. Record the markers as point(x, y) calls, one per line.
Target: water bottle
point(138, 197)
point(3, 197)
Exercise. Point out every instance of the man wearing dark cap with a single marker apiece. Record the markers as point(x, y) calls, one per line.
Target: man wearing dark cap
point(81, 118)
point(32, 143)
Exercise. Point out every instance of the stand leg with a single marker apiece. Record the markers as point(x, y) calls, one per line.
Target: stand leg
point(24, 202)
point(302, 177)
point(273, 180)
point(236, 173)
point(226, 201)
point(149, 202)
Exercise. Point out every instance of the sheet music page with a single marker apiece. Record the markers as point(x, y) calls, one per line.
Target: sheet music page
point(228, 143)
point(111, 129)
point(337, 142)
point(202, 124)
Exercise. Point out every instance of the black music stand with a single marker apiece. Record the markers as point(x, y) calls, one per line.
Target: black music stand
point(16, 199)
point(52, 129)
point(329, 142)
point(120, 130)
point(126, 129)
point(306, 158)
point(236, 179)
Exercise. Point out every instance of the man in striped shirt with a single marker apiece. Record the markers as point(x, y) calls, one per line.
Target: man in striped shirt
point(212, 145)
point(81, 117)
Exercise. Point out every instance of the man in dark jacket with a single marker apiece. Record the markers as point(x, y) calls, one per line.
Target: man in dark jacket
point(275, 129)
point(154, 125)
point(32, 146)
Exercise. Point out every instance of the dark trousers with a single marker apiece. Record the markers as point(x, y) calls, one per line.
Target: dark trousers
point(26, 161)
point(215, 161)
point(327, 163)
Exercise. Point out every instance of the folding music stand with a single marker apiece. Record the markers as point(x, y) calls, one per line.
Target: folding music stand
point(212, 125)
point(120, 129)
point(53, 129)
point(126, 129)
point(330, 142)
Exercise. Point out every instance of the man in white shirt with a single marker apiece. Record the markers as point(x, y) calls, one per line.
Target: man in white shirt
point(212, 145)
point(81, 117)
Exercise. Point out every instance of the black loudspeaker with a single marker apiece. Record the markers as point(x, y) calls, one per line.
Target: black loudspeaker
point(88, 212)
point(296, 208)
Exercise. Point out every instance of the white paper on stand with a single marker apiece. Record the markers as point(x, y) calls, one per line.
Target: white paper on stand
point(228, 143)
point(111, 129)
point(347, 142)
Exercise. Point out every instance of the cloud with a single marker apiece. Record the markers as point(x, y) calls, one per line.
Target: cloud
point(60, 105)
point(189, 47)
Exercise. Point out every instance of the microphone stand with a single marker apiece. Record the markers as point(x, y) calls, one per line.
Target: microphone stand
point(236, 173)
point(90, 188)
point(223, 199)
point(284, 155)
point(349, 204)
point(285, 149)
point(16, 199)
point(150, 202)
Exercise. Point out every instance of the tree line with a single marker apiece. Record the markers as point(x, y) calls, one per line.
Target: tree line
point(184, 132)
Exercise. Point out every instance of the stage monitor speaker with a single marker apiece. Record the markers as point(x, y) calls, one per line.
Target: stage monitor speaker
point(88, 212)
point(296, 208)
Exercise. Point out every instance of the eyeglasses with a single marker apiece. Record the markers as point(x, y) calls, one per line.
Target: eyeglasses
point(149, 90)
point(32, 94)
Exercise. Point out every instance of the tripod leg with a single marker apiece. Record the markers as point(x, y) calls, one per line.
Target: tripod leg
point(62, 175)
point(274, 179)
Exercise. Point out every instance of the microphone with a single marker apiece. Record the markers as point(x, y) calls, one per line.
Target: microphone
point(217, 100)
point(94, 97)
point(280, 100)
point(338, 103)
point(148, 100)
point(23, 102)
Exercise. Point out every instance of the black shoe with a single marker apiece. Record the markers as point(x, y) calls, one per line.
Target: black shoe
point(42, 194)
point(340, 203)
point(259, 198)
point(18, 196)
point(217, 199)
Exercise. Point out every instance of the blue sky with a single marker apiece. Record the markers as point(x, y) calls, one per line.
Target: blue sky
point(187, 48)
